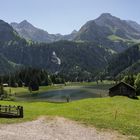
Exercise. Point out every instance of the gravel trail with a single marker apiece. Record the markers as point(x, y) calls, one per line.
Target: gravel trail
point(54, 129)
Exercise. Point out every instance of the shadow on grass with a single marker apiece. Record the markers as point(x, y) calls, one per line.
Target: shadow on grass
point(134, 98)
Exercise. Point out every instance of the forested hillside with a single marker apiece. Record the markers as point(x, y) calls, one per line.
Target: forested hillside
point(90, 52)
point(70, 58)
point(125, 62)
point(73, 59)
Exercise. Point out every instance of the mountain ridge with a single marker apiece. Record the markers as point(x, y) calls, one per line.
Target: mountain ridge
point(68, 58)
point(107, 30)
point(98, 40)
point(30, 32)
point(106, 25)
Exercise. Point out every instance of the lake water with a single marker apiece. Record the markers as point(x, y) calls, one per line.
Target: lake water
point(73, 93)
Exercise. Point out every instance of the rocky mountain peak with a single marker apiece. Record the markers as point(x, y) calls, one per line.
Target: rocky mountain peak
point(105, 18)
point(74, 32)
point(25, 24)
point(105, 15)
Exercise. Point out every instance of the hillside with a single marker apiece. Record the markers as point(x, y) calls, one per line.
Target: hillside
point(7, 33)
point(132, 69)
point(30, 32)
point(6, 66)
point(90, 52)
point(127, 61)
point(105, 26)
point(134, 25)
point(73, 59)
point(107, 30)
point(69, 58)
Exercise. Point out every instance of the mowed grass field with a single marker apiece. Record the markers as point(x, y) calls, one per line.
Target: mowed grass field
point(99, 112)
point(116, 113)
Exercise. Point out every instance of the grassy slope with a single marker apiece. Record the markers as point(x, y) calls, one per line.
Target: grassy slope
point(99, 112)
point(115, 38)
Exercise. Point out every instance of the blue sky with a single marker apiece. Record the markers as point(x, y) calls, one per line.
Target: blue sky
point(62, 16)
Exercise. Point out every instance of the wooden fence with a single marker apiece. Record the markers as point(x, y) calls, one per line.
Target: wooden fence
point(11, 111)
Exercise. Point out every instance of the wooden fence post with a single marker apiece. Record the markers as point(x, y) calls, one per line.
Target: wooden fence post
point(17, 108)
point(116, 112)
point(6, 108)
point(9, 108)
point(20, 111)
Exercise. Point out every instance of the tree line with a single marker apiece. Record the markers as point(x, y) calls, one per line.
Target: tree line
point(133, 80)
point(32, 78)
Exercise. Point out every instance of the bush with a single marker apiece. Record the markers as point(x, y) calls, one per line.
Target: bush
point(33, 85)
point(129, 79)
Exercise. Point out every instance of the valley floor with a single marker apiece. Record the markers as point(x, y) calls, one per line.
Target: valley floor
point(55, 129)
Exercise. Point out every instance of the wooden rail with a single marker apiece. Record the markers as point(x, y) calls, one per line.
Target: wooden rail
point(11, 111)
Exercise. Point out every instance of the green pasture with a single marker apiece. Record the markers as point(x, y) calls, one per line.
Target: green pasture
point(115, 113)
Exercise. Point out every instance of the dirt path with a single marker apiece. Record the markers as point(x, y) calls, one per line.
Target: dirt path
point(54, 129)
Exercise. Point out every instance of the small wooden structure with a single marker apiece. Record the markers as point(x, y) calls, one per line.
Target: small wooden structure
point(122, 89)
point(11, 111)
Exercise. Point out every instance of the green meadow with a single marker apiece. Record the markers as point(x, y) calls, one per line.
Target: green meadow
point(115, 113)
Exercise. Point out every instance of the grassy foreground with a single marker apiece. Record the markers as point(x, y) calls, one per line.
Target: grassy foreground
point(100, 112)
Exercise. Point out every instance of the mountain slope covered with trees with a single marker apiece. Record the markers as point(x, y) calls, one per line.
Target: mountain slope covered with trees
point(125, 62)
point(73, 59)
point(91, 50)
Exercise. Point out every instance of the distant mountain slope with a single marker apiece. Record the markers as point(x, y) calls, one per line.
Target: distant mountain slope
point(7, 66)
point(28, 31)
point(134, 68)
point(105, 26)
point(87, 56)
point(61, 56)
point(134, 25)
point(106, 30)
point(125, 61)
point(7, 33)
point(66, 57)
point(109, 31)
